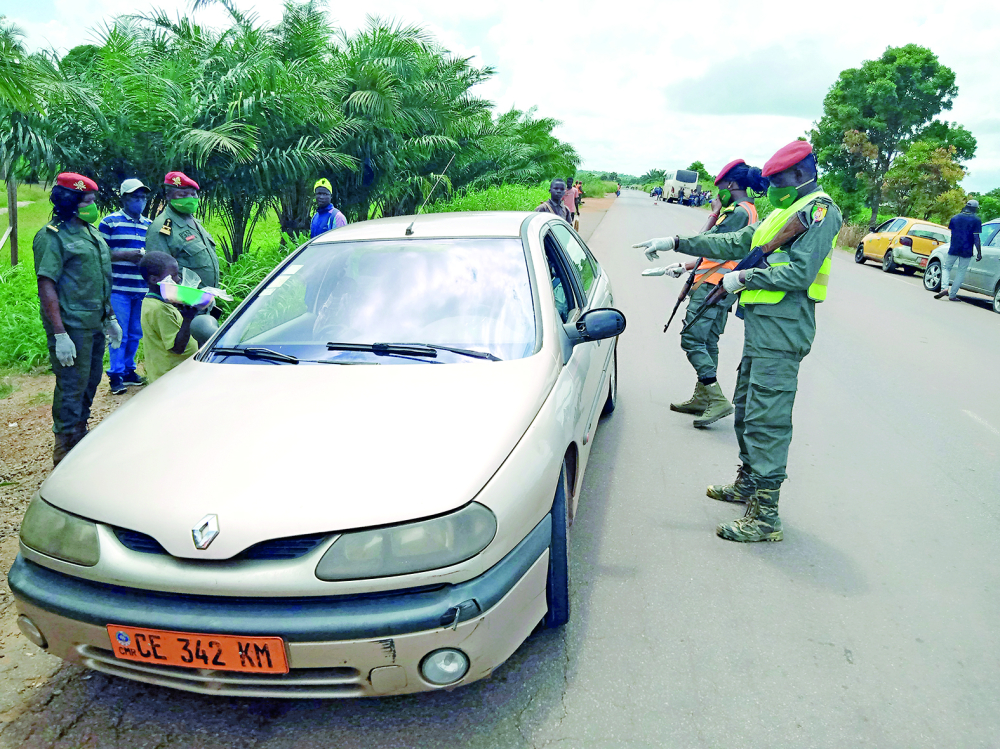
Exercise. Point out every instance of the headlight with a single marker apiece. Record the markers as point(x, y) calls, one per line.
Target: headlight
point(413, 547)
point(50, 531)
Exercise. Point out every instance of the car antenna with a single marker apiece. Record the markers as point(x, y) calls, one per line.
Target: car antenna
point(409, 229)
point(440, 177)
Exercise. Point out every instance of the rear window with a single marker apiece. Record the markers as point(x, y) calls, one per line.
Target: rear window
point(930, 232)
point(686, 175)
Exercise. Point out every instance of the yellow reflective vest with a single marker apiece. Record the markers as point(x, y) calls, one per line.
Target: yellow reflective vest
point(767, 230)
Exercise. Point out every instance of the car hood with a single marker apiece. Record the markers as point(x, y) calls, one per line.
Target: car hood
point(284, 450)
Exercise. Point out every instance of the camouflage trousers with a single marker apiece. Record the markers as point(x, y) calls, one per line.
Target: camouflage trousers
point(700, 342)
point(765, 394)
point(76, 384)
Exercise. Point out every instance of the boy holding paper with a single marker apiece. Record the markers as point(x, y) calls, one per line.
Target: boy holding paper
point(166, 327)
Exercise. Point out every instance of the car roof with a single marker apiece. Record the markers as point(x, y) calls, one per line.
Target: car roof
point(457, 224)
point(920, 221)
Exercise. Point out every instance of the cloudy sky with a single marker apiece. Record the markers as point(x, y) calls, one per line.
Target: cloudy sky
point(639, 84)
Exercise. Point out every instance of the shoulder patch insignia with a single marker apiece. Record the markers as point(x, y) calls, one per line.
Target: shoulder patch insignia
point(167, 227)
point(53, 228)
point(818, 213)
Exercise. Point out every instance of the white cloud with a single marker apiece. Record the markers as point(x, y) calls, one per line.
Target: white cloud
point(627, 78)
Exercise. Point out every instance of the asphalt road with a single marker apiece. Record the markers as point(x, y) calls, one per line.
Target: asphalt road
point(875, 623)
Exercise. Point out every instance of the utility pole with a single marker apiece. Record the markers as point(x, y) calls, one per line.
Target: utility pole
point(12, 217)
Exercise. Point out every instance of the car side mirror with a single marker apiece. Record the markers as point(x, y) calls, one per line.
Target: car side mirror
point(595, 325)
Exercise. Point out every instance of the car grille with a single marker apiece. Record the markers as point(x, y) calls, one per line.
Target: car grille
point(297, 683)
point(292, 547)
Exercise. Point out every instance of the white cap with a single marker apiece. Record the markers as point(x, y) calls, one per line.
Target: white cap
point(131, 185)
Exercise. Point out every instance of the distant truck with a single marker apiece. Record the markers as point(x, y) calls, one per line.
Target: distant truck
point(675, 182)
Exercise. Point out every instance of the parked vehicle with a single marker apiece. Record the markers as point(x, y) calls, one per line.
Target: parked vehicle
point(983, 276)
point(902, 243)
point(675, 182)
point(362, 485)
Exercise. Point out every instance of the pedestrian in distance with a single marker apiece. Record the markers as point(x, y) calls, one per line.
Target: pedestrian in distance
point(779, 298)
point(177, 232)
point(167, 326)
point(557, 188)
point(73, 268)
point(579, 195)
point(569, 199)
point(966, 228)
point(327, 216)
point(125, 233)
point(731, 212)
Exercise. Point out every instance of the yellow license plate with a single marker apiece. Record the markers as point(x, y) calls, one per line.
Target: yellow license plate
point(258, 655)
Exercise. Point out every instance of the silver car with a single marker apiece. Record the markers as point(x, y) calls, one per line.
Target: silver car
point(983, 276)
point(362, 485)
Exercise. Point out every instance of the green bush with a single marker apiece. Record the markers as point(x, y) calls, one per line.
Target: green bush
point(22, 338)
point(501, 198)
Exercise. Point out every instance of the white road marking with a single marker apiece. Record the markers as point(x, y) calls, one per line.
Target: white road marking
point(982, 421)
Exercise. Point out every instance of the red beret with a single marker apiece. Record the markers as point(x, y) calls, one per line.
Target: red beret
point(77, 182)
point(179, 179)
point(726, 169)
point(787, 157)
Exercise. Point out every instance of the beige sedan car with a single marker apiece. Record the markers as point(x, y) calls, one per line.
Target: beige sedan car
point(362, 485)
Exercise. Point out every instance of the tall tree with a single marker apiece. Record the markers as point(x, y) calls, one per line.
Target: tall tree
point(923, 182)
point(872, 113)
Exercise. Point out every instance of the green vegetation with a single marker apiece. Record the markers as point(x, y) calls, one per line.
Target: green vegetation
point(499, 198)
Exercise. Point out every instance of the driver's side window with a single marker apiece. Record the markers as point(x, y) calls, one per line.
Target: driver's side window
point(562, 289)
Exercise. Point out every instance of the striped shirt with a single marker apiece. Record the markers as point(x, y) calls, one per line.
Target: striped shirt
point(122, 232)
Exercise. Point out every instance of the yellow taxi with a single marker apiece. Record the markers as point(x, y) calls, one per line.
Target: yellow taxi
point(902, 243)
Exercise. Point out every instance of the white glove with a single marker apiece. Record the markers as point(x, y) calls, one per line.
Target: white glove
point(65, 349)
point(653, 246)
point(674, 271)
point(731, 282)
point(114, 332)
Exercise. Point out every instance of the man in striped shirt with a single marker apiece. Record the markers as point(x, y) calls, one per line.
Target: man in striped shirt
point(125, 233)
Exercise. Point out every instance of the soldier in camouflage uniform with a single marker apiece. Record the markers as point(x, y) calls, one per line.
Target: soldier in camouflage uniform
point(779, 304)
point(178, 233)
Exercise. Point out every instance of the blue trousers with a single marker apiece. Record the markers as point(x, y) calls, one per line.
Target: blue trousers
point(128, 310)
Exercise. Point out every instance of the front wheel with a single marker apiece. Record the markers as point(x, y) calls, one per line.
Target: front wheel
point(859, 256)
point(557, 586)
point(932, 276)
point(996, 300)
point(612, 401)
point(888, 263)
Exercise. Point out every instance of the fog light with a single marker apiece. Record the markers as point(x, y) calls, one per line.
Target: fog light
point(445, 666)
point(32, 632)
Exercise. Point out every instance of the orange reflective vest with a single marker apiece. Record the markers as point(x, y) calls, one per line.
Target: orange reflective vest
point(713, 272)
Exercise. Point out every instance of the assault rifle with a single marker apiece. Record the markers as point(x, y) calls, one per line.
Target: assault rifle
point(684, 292)
point(756, 259)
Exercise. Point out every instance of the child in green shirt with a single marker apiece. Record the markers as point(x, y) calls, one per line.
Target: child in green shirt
point(166, 327)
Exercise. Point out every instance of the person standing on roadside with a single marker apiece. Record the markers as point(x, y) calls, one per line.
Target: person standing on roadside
point(327, 217)
point(779, 303)
point(125, 234)
point(732, 211)
point(569, 199)
point(965, 230)
point(579, 195)
point(557, 188)
point(178, 233)
point(73, 268)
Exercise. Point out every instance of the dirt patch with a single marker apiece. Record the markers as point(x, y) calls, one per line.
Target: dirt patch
point(591, 205)
point(25, 462)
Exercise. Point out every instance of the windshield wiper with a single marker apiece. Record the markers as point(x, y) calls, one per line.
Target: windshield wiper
point(385, 349)
point(257, 352)
point(462, 351)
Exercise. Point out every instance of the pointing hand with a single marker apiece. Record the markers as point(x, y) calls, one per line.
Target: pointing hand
point(651, 247)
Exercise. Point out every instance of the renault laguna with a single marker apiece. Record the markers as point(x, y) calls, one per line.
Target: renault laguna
point(362, 485)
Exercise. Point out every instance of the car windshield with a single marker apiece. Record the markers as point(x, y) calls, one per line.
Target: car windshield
point(469, 294)
point(686, 175)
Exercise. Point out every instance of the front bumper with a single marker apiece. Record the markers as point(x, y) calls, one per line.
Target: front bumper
point(337, 646)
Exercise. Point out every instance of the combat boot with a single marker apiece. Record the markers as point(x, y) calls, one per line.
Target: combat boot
point(760, 523)
point(63, 444)
point(718, 407)
point(738, 491)
point(696, 404)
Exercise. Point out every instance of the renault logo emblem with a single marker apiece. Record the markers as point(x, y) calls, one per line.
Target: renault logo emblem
point(205, 532)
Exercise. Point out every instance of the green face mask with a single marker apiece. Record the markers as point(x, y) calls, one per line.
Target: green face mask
point(726, 197)
point(783, 197)
point(185, 205)
point(88, 213)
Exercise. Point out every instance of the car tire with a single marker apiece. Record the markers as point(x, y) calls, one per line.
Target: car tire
point(932, 276)
point(612, 401)
point(888, 264)
point(859, 256)
point(557, 586)
point(996, 300)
